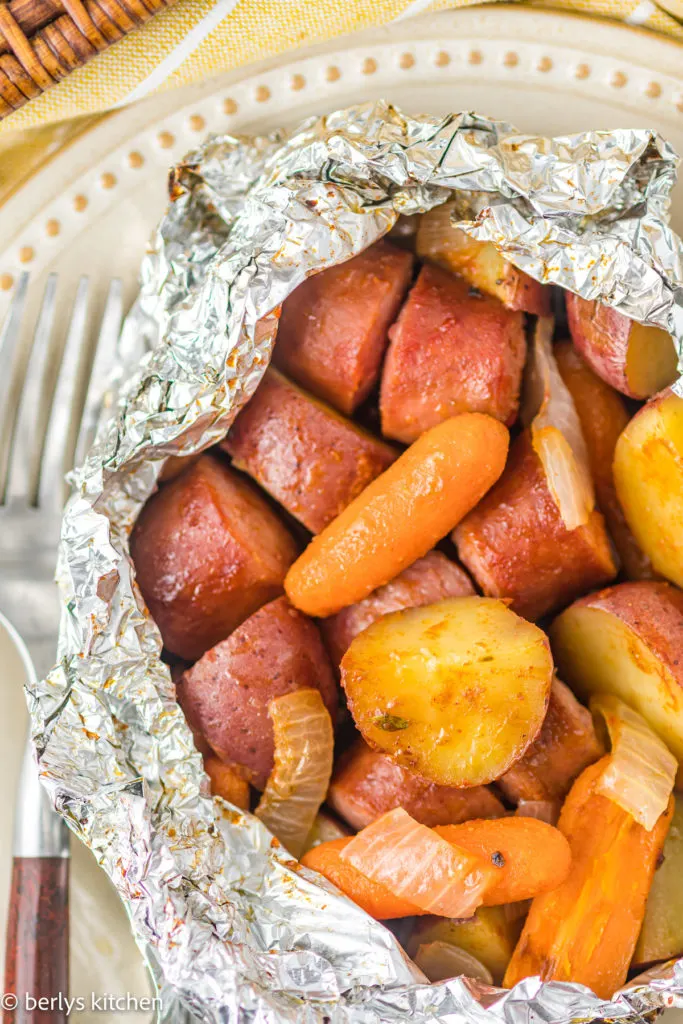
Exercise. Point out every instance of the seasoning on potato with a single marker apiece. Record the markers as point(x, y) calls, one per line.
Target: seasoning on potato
point(455, 692)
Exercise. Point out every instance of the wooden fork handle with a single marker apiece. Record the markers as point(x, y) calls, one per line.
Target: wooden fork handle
point(37, 951)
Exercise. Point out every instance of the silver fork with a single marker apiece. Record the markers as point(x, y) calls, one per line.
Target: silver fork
point(53, 424)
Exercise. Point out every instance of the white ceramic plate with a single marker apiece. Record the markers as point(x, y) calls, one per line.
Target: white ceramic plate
point(91, 209)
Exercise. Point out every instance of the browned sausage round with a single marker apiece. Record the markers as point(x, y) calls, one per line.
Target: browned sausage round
point(225, 696)
point(208, 551)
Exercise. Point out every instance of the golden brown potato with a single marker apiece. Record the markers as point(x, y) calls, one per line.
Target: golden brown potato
point(208, 551)
point(450, 351)
point(479, 263)
point(325, 828)
point(366, 784)
point(566, 744)
point(333, 329)
point(427, 580)
point(490, 936)
point(627, 640)
point(516, 545)
point(455, 691)
point(603, 416)
point(636, 360)
point(309, 457)
point(661, 937)
point(648, 474)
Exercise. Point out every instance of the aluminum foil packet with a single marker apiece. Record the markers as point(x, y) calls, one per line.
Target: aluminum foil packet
point(232, 928)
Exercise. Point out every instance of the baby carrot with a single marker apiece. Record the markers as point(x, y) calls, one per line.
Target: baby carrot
point(373, 897)
point(586, 929)
point(227, 782)
point(532, 856)
point(401, 515)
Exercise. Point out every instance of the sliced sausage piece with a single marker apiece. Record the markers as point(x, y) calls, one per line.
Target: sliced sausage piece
point(516, 545)
point(333, 329)
point(451, 350)
point(366, 784)
point(566, 744)
point(429, 579)
point(305, 454)
point(225, 695)
point(208, 551)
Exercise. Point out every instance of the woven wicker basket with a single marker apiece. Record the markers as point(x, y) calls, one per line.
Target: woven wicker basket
point(42, 41)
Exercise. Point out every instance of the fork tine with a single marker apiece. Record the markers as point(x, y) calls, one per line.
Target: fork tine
point(9, 339)
point(102, 363)
point(60, 428)
point(23, 454)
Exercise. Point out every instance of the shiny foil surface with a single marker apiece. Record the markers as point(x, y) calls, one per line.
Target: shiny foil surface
point(232, 928)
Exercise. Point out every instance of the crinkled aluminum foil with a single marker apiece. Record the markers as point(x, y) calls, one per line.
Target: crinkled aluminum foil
point(233, 929)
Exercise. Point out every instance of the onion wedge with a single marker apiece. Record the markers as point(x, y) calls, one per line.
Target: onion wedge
point(556, 432)
point(641, 770)
point(441, 960)
point(417, 865)
point(297, 785)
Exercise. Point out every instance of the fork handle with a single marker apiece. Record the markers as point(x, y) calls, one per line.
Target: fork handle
point(37, 950)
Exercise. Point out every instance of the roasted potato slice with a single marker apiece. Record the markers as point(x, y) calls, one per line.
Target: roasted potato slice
point(648, 474)
point(661, 936)
point(627, 640)
point(479, 263)
point(455, 691)
point(636, 360)
point(490, 936)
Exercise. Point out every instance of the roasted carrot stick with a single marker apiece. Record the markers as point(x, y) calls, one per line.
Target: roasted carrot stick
point(527, 855)
point(227, 782)
point(375, 899)
point(401, 515)
point(532, 857)
point(586, 929)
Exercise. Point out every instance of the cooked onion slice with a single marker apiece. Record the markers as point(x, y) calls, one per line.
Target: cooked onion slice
point(298, 783)
point(440, 960)
point(641, 771)
point(556, 431)
point(542, 810)
point(417, 865)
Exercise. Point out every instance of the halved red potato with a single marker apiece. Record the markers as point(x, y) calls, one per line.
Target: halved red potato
point(516, 545)
point(427, 580)
point(366, 784)
point(225, 695)
point(627, 640)
point(566, 744)
point(333, 329)
point(648, 475)
point(455, 691)
point(479, 263)
point(452, 350)
point(603, 416)
point(489, 935)
point(636, 360)
point(208, 551)
point(308, 456)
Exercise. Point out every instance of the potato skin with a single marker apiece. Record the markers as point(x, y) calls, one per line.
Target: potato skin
point(601, 335)
point(451, 350)
point(429, 579)
point(304, 453)
point(225, 695)
point(333, 328)
point(196, 601)
point(366, 784)
point(566, 744)
point(516, 545)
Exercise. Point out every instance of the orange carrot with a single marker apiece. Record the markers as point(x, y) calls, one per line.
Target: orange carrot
point(375, 899)
point(532, 857)
point(418, 865)
point(586, 930)
point(227, 782)
point(401, 515)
